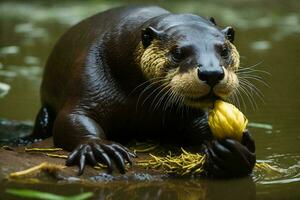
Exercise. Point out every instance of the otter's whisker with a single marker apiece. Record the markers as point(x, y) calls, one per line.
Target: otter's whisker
point(252, 66)
point(256, 78)
point(233, 99)
point(164, 97)
point(169, 102)
point(238, 92)
point(182, 107)
point(237, 99)
point(153, 92)
point(245, 91)
point(254, 90)
point(250, 97)
point(161, 97)
point(180, 104)
point(147, 88)
point(251, 71)
point(175, 99)
point(144, 83)
point(252, 87)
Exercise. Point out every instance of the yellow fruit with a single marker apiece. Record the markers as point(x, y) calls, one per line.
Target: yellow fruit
point(226, 121)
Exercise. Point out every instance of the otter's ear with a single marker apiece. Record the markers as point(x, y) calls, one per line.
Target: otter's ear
point(229, 33)
point(212, 20)
point(148, 34)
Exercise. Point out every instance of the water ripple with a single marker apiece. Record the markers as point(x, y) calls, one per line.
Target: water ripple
point(279, 173)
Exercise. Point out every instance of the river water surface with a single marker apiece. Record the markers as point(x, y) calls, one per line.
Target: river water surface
point(268, 39)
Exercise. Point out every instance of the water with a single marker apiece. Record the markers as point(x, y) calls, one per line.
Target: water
point(267, 35)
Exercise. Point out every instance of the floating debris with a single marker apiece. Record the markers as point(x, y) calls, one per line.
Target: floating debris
point(147, 147)
point(262, 166)
point(56, 155)
point(260, 125)
point(42, 149)
point(45, 166)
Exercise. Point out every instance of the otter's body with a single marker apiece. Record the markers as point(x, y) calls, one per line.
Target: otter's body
point(92, 70)
point(96, 90)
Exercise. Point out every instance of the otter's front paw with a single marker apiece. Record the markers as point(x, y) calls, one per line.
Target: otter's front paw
point(229, 158)
point(102, 151)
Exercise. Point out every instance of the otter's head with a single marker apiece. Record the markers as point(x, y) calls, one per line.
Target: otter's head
point(192, 59)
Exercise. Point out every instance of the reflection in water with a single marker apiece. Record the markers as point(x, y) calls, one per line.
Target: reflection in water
point(9, 50)
point(261, 45)
point(268, 33)
point(187, 190)
point(4, 89)
point(171, 189)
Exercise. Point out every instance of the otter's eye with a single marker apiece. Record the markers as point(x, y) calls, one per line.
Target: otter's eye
point(177, 55)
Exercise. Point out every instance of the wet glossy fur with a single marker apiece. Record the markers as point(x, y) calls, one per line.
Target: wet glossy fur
point(92, 85)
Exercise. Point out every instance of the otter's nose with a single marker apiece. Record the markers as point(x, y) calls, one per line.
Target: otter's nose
point(211, 76)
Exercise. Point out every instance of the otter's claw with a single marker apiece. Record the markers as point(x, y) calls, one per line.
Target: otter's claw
point(102, 156)
point(82, 154)
point(100, 151)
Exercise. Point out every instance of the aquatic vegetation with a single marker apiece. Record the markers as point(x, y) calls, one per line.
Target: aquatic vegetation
point(184, 164)
point(189, 164)
point(260, 125)
point(42, 149)
point(34, 194)
point(56, 155)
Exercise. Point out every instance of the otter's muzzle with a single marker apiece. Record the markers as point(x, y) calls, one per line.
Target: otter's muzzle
point(211, 75)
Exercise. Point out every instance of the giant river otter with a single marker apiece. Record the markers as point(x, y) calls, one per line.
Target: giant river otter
point(141, 73)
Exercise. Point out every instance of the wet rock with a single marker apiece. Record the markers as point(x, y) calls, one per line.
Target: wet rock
point(14, 159)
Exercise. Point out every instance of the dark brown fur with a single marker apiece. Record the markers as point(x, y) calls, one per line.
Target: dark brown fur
point(92, 87)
